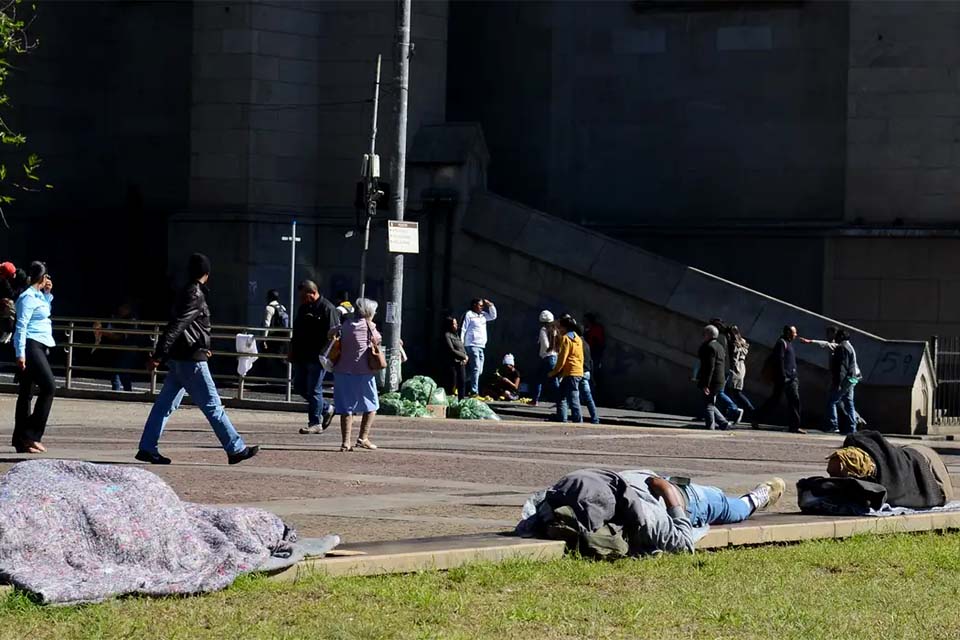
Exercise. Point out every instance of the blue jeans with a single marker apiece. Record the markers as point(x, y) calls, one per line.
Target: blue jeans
point(308, 383)
point(727, 406)
point(844, 398)
point(543, 379)
point(587, 395)
point(569, 394)
point(185, 376)
point(474, 369)
point(738, 396)
point(124, 360)
point(713, 417)
point(710, 505)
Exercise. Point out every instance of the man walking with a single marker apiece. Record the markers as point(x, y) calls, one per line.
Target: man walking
point(311, 329)
point(844, 374)
point(474, 336)
point(710, 379)
point(781, 367)
point(185, 346)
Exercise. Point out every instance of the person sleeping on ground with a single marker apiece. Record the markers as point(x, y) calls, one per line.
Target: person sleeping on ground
point(913, 475)
point(608, 514)
point(869, 471)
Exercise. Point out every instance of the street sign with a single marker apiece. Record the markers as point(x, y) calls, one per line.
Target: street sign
point(403, 237)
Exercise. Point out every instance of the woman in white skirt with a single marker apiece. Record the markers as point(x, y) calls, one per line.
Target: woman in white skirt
point(355, 389)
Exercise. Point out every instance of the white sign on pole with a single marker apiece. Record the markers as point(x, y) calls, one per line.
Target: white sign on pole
point(403, 237)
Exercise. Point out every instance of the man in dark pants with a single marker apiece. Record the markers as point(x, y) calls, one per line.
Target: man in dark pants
point(185, 346)
point(783, 370)
point(710, 379)
point(311, 328)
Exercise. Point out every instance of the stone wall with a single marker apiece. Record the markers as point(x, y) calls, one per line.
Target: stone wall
point(104, 99)
point(900, 286)
point(903, 112)
point(625, 117)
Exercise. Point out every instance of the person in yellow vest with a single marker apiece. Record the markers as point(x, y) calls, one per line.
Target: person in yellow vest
point(569, 369)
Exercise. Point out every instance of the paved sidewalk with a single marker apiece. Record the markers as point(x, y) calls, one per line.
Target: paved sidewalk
point(429, 478)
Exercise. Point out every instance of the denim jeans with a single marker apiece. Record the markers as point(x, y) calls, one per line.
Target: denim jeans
point(543, 378)
point(710, 505)
point(124, 360)
point(569, 394)
point(738, 396)
point(308, 383)
point(586, 395)
point(726, 405)
point(185, 376)
point(474, 369)
point(713, 416)
point(844, 398)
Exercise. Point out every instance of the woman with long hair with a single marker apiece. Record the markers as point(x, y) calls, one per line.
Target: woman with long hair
point(547, 343)
point(32, 341)
point(738, 349)
point(355, 392)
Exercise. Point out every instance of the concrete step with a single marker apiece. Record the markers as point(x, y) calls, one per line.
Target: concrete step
point(429, 554)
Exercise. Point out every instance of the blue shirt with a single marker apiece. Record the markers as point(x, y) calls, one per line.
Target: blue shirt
point(33, 320)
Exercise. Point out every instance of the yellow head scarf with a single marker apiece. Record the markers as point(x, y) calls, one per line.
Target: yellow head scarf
point(851, 462)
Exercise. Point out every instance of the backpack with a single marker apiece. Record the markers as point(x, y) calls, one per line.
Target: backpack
point(281, 319)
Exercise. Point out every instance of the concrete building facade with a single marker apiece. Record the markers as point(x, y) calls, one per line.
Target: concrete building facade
point(806, 150)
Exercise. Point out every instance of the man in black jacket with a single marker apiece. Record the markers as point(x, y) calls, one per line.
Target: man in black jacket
point(311, 333)
point(783, 373)
point(185, 346)
point(710, 379)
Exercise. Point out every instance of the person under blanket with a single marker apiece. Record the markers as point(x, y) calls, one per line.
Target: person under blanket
point(609, 514)
point(913, 475)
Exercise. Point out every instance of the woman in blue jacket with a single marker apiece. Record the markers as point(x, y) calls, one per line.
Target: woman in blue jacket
point(32, 341)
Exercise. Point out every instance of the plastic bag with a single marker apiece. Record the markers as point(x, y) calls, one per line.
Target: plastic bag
point(473, 409)
point(393, 404)
point(439, 396)
point(390, 404)
point(418, 389)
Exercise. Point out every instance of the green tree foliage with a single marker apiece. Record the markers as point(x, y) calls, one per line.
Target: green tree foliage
point(18, 166)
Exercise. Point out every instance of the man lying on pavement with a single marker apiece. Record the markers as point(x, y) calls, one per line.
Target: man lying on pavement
point(609, 515)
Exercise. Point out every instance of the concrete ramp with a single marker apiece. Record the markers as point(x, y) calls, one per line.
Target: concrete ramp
point(654, 309)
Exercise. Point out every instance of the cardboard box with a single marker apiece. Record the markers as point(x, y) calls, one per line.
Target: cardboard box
point(437, 410)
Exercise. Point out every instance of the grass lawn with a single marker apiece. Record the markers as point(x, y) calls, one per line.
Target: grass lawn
point(903, 586)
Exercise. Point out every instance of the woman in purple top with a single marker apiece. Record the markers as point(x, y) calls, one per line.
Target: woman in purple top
point(355, 390)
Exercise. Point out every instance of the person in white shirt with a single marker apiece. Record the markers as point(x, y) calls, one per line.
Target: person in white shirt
point(473, 332)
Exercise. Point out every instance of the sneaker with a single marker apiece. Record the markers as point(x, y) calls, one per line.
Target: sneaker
point(800, 431)
point(313, 428)
point(766, 494)
point(240, 456)
point(365, 444)
point(831, 430)
point(739, 417)
point(327, 419)
point(152, 458)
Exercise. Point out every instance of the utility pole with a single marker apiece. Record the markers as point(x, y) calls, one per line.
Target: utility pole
point(394, 320)
point(293, 239)
point(371, 173)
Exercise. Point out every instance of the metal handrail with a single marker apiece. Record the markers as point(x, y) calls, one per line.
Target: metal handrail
point(86, 325)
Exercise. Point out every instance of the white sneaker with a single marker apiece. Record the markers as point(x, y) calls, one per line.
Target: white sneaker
point(739, 417)
point(766, 494)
